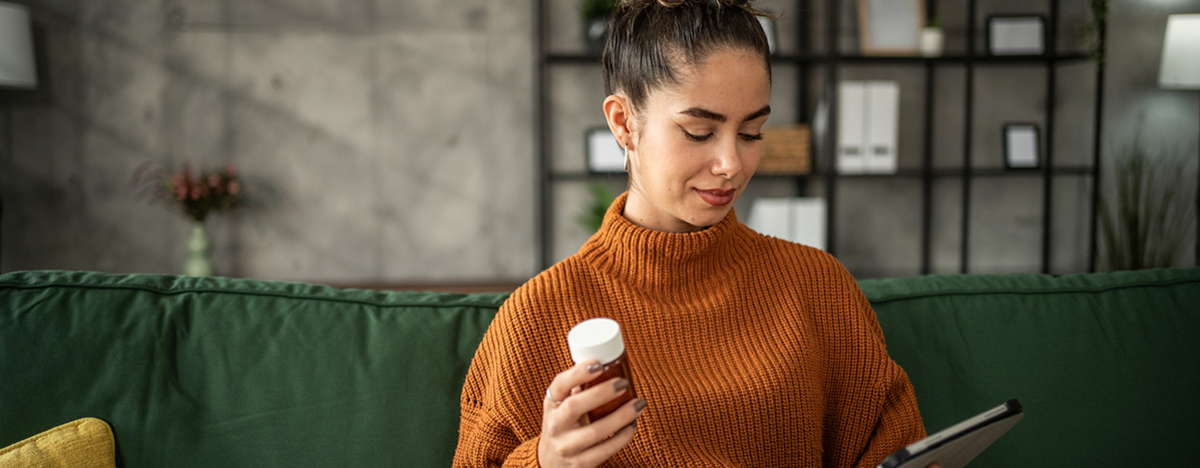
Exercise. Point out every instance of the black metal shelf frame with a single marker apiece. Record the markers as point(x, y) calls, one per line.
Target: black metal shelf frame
point(830, 60)
point(808, 59)
point(936, 173)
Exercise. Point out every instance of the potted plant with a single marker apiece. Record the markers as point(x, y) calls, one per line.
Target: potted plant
point(1146, 208)
point(596, 14)
point(1092, 37)
point(932, 38)
point(602, 198)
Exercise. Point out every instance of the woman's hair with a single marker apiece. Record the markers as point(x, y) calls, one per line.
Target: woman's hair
point(651, 41)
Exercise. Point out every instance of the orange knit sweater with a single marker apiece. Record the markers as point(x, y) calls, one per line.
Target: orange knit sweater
point(749, 350)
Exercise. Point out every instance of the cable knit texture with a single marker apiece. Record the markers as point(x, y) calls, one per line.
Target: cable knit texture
point(750, 351)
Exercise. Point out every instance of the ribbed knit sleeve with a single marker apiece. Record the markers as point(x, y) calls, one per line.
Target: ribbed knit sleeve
point(887, 405)
point(898, 424)
point(501, 411)
point(485, 441)
point(522, 351)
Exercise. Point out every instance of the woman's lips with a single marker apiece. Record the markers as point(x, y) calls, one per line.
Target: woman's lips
point(717, 197)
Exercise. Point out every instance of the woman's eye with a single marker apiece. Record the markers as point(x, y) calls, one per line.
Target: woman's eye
point(752, 137)
point(692, 137)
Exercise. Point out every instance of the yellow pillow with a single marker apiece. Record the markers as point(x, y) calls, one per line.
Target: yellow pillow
point(86, 443)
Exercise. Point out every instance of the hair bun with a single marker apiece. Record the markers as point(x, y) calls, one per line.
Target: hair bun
point(736, 3)
point(724, 3)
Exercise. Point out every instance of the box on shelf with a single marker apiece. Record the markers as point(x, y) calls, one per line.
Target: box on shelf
point(786, 151)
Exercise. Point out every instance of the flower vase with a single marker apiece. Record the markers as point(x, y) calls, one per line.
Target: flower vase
point(198, 263)
point(932, 39)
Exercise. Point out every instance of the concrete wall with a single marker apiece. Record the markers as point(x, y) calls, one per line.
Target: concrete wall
point(383, 140)
point(394, 141)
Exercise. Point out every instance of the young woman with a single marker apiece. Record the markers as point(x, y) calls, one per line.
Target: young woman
point(745, 350)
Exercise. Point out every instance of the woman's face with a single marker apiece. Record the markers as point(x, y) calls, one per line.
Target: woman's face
point(696, 144)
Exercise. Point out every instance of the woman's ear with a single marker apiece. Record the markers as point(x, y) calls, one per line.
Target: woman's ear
point(619, 114)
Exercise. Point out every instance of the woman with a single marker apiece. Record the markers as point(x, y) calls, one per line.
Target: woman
point(745, 350)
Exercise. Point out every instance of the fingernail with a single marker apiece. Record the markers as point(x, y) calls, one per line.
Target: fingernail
point(593, 367)
point(620, 385)
point(639, 405)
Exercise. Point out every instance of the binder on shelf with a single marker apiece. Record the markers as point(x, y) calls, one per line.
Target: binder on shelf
point(799, 220)
point(882, 114)
point(851, 147)
point(868, 126)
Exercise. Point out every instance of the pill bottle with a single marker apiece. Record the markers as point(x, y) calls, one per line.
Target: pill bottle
point(600, 339)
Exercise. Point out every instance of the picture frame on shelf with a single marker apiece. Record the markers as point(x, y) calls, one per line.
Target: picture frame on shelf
point(1016, 35)
point(890, 27)
point(604, 154)
point(1022, 146)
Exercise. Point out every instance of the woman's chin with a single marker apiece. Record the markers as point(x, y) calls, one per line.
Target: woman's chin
point(709, 217)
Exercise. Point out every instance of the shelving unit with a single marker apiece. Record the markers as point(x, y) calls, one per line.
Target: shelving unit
point(828, 63)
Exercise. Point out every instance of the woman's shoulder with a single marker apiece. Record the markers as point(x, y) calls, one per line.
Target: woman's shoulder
point(537, 304)
point(554, 283)
point(531, 323)
point(813, 275)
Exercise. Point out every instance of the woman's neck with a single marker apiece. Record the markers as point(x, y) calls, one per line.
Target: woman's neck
point(642, 213)
point(663, 261)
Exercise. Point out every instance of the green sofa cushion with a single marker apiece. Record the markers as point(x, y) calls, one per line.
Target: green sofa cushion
point(225, 372)
point(219, 372)
point(1106, 365)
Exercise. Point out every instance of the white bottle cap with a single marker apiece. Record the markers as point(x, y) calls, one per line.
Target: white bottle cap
point(598, 339)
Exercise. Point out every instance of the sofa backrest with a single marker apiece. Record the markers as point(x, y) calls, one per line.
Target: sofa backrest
point(224, 372)
point(219, 372)
point(1107, 366)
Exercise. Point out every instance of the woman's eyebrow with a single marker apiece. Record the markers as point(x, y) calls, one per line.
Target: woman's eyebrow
point(766, 110)
point(704, 114)
point(710, 115)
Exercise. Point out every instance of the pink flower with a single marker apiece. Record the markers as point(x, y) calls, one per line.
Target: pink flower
point(199, 193)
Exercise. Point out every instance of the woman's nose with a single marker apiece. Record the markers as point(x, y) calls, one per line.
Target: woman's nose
point(728, 163)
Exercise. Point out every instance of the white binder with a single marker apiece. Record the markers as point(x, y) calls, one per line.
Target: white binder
point(882, 116)
point(800, 220)
point(851, 148)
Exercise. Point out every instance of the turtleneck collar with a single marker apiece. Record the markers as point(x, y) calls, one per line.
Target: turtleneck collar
point(650, 258)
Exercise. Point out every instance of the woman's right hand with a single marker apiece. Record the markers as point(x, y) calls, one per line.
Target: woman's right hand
point(568, 439)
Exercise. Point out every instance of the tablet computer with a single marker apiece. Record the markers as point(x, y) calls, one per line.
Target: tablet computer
point(957, 445)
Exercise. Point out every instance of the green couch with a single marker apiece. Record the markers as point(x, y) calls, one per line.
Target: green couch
point(223, 372)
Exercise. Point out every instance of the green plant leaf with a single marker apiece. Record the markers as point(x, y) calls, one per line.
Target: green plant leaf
point(593, 216)
point(594, 9)
point(1145, 207)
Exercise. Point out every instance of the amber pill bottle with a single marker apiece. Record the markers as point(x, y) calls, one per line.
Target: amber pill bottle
point(600, 339)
